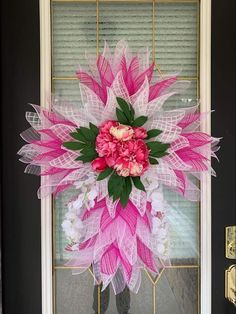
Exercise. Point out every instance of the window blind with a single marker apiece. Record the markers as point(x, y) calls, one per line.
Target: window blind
point(176, 50)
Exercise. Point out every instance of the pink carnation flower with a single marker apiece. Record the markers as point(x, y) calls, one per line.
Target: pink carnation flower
point(122, 147)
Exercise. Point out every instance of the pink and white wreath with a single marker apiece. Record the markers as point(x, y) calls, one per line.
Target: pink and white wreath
point(118, 149)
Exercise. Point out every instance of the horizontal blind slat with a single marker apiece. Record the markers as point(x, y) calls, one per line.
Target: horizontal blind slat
point(74, 31)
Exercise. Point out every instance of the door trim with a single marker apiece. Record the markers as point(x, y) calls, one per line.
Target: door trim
point(46, 203)
point(205, 106)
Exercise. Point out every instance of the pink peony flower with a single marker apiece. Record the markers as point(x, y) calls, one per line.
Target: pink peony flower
point(133, 158)
point(122, 132)
point(99, 164)
point(140, 133)
point(105, 127)
point(106, 144)
point(122, 147)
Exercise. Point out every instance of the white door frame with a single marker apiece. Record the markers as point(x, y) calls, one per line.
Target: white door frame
point(205, 106)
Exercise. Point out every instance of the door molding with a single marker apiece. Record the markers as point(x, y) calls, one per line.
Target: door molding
point(46, 203)
point(205, 106)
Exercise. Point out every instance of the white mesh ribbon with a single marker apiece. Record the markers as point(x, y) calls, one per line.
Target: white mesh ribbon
point(66, 161)
point(140, 99)
point(119, 88)
point(109, 112)
point(63, 131)
point(139, 199)
point(92, 103)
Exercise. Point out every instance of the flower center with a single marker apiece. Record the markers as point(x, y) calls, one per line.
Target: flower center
point(122, 132)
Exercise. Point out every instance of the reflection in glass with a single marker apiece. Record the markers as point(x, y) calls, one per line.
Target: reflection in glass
point(183, 216)
point(73, 293)
point(122, 300)
point(74, 32)
point(141, 303)
point(78, 294)
point(122, 21)
point(177, 291)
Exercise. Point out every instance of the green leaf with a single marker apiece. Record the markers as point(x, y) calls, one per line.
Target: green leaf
point(72, 145)
point(153, 133)
point(132, 112)
point(116, 196)
point(86, 158)
point(88, 134)
point(159, 154)
point(78, 136)
point(113, 183)
point(94, 128)
point(124, 197)
point(104, 174)
point(121, 117)
point(153, 161)
point(140, 121)
point(88, 151)
point(124, 107)
point(138, 183)
point(157, 146)
point(119, 189)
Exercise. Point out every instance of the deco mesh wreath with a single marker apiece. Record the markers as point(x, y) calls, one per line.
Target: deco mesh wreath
point(118, 149)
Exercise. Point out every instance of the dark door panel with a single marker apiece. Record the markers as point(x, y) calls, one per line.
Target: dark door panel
point(223, 124)
point(20, 207)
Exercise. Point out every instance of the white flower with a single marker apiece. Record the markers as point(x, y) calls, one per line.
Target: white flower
point(157, 194)
point(72, 234)
point(149, 181)
point(157, 206)
point(72, 225)
point(78, 184)
point(78, 224)
point(161, 248)
point(75, 206)
point(74, 247)
point(79, 202)
point(70, 215)
point(91, 204)
point(91, 180)
point(88, 191)
point(66, 225)
point(157, 225)
point(92, 194)
point(162, 233)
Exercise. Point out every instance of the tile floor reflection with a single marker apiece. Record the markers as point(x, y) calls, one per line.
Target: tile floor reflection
point(176, 292)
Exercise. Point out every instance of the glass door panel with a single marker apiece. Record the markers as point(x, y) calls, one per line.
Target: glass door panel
point(170, 30)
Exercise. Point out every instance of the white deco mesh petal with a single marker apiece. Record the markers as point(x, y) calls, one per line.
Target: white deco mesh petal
point(66, 161)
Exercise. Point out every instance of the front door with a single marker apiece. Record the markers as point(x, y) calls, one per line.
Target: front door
point(177, 33)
